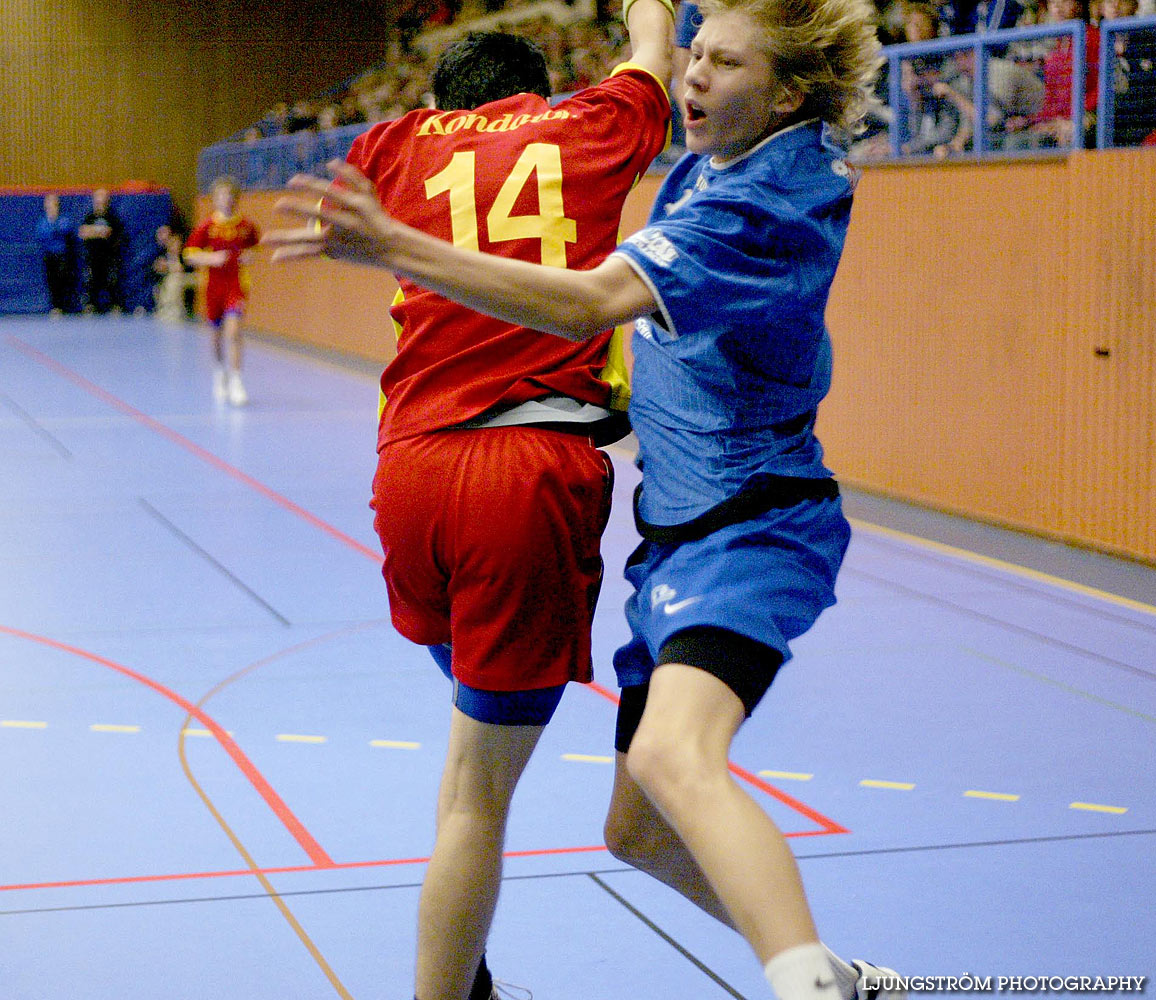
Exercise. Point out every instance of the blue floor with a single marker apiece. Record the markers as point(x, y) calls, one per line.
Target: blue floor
point(220, 760)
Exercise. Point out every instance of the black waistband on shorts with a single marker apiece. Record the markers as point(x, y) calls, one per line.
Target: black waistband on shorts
point(765, 493)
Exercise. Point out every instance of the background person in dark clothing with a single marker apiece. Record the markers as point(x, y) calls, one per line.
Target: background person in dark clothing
point(54, 233)
point(102, 233)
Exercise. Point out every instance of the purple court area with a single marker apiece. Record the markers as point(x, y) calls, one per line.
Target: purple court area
point(220, 761)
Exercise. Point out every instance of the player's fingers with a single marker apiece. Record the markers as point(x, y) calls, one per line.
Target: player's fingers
point(307, 182)
point(320, 211)
point(296, 252)
point(350, 177)
point(281, 237)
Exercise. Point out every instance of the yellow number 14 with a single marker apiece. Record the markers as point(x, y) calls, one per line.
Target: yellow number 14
point(550, 226)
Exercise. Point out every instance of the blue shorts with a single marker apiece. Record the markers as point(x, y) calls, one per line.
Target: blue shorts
point(768, 578)
point(499, 708)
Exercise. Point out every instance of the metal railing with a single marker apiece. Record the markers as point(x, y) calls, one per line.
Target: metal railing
point(269, 162)
point(1109, 32)
point(982, 45)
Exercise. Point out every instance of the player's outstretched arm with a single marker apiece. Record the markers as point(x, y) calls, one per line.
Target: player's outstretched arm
point(345, 221)
point(651, 27)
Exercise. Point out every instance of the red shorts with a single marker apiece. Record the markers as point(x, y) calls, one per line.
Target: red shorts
point(492, 542)
point(223, 297)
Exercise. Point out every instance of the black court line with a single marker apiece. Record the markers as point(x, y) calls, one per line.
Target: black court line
point(697, 963)
point(966, 845)
point(963, 609)
point(213, 562)
point(33, 423)
point(624, 870)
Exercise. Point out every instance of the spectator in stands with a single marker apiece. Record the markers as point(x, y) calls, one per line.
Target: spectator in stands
point(103, 235)
point(1133, 79)
point(966, 17)
point(1013, 90)
point(934, 122)
point(1052, 126)
point(55, 233)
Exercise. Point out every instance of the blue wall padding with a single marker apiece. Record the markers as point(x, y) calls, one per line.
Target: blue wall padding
point(22, 284)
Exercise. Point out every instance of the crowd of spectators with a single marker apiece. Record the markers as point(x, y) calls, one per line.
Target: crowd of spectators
point(1029, 84)
point(580, 50)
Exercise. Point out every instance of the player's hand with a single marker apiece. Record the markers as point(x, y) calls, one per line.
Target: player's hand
point(343, 219)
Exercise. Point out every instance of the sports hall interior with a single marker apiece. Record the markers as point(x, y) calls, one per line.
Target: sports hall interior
point(220, 760)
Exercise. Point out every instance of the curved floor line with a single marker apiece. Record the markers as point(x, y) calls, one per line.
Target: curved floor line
point(270, 891)
point(314, 850)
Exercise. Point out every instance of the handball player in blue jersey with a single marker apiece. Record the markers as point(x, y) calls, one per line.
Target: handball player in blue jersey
point(742, 526)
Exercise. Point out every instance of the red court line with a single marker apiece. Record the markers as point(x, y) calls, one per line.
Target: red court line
point(263, 788)
point(284, 870)
point(301, 869)
point(826, 825)
point(178, 439)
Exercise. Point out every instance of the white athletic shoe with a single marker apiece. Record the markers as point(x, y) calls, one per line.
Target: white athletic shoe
point(220, 385)
point(507, 991)
point(237, 394)
point(876, 982)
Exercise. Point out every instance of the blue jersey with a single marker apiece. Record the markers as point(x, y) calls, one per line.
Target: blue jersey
point(729, 370)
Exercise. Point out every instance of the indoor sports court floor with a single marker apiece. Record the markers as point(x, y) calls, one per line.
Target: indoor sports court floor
point(219, 761)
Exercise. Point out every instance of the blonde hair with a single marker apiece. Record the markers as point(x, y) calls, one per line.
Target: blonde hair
point(826, 51)
point(226, 181)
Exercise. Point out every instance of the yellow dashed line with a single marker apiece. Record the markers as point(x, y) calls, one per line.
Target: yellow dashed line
point(21, 724)
point(997, 796)
point(297, 738)
point(100, 727)
point(899, 786)
point(586, 758)
point(1092, 807)
point(395, 744)
point(786, 775)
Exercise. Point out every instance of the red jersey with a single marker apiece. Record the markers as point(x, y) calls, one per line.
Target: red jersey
point(234, 234)
point(519, 178)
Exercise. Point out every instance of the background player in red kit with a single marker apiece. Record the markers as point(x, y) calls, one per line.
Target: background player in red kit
point(220, 244)
point(491, 494)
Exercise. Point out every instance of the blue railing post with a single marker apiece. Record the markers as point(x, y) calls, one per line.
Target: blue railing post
point(1079, 63)
point(1106, 114)
point(895, 99)
point(980, 96)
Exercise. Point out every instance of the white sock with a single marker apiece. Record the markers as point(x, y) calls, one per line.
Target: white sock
point(803, 973)
point(846, 974)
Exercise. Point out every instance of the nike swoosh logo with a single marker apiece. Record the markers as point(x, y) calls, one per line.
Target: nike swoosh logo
point(677, 606)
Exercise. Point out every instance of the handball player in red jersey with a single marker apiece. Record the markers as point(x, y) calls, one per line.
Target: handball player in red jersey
point(491, 493)
point(221, 245)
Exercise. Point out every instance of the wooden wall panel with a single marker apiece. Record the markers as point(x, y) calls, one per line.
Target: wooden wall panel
point(103, 92)
point(965, 319)
point(944, 319)
point(1108, 480)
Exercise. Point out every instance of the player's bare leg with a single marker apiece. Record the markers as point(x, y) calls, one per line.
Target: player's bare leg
point(679, 758)
point(637, 834)
point(231, 328)
point(220, 373)
point(460, 891)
